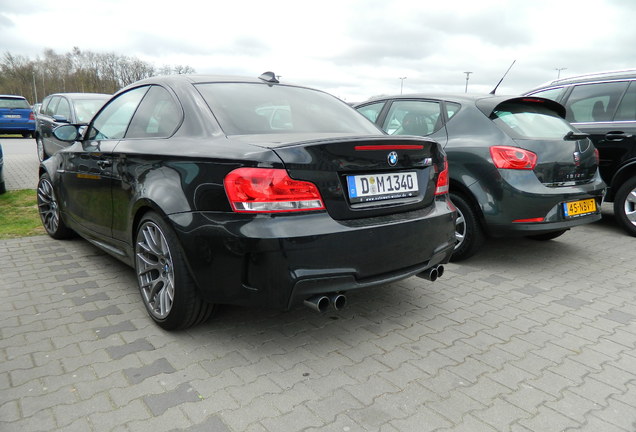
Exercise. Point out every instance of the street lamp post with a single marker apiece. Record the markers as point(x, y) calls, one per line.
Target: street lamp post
point(467, 76)
point(559, 71)
point(401, 83)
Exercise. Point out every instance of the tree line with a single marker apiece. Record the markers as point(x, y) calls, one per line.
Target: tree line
point(75, 71)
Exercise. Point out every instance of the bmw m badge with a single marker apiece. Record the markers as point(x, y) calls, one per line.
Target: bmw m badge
point(392, 158)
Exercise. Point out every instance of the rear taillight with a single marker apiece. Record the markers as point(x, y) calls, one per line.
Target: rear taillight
point(31, 116)
point(442, 180)
point(265, 190)
point(513, 158)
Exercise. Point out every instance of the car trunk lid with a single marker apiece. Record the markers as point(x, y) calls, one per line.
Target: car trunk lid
point(364, 176)
point(564, 156)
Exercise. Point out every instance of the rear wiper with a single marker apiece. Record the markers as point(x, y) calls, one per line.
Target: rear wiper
point(573, 136)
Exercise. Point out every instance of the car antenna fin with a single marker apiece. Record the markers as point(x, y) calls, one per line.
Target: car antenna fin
point(502, 78)
point(269, 77)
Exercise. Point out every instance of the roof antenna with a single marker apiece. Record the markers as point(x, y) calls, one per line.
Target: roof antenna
point(269, 77)
point(502, 78)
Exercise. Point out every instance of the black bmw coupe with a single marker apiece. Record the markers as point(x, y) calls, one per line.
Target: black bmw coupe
point(226, 190)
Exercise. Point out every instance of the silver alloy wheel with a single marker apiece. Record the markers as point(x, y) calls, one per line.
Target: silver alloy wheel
point(460, 229)
point(155, 270)
point(630, 206)
point(47, 206)
point(40, 146)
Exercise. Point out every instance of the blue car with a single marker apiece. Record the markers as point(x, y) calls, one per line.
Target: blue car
point(16, 116)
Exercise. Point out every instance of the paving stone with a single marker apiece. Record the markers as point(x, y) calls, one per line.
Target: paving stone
point(521, 337)
point(159, 403)
point(118, 352)
point(124, 326)
point(160, 366)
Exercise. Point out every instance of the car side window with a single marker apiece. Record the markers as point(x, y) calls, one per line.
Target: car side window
point(113, 120)
point(158, 115)
point(51, 107)
point(553, 93)
point(408, 117)
point(594, 102)
point(627, 108)
point(452, 108)
point(372, 111)
point(63, 109)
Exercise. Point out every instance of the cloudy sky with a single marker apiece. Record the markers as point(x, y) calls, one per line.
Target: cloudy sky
point(353, 49)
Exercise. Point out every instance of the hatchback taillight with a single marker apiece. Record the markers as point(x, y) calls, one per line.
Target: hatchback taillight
point(31, 116)
point(442, 180)
point(266, 190)
point(513, 158)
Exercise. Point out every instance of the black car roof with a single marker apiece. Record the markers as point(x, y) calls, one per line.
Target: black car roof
point(486, 103)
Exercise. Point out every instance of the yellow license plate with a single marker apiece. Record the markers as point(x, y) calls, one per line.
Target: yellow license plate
point(579, 208)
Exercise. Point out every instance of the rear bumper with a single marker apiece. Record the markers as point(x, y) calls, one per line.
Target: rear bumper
point(518, 196)
point(278, 261)
point(17, 127)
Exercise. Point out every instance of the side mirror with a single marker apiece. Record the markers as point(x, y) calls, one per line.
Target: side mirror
point(67, 133)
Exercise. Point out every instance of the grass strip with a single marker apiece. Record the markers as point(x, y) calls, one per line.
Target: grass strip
point(19, 214)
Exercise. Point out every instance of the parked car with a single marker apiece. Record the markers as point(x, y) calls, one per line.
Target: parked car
point(61, 108)
point(3, 188)
point(16, 116)
point(183, 180)
point(517, 168)
point(603, 105)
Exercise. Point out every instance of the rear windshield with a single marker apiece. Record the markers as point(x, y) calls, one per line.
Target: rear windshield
point(13, 103)
point(246, 108)
point(530, 121)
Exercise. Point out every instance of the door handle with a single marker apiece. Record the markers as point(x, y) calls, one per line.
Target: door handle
point(104, 163)
point(616, 136)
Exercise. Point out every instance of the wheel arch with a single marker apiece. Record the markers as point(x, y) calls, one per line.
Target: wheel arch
point(467, 193)
point(624, 173)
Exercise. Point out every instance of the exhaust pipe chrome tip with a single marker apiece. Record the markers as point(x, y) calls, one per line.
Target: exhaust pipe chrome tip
point(440, 271)
point(338, 301)
point(430, 274)
point(319, 303)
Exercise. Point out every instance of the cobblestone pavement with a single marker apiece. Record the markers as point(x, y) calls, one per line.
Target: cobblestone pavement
point(526, 336)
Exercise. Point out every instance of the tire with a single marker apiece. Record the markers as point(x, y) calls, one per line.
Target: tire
point(547, 236)
point(625, 206)
point(42, 156)
point(468, 231)
point(165, 284)
point(49, 210)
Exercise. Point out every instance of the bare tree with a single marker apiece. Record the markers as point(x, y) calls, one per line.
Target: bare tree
point(75, 71)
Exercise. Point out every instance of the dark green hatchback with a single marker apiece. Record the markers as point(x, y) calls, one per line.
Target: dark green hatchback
point(517, 167)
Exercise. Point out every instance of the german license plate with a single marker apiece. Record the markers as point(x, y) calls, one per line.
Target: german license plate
point(380, 187)
point(12, 116)
point(579, 208)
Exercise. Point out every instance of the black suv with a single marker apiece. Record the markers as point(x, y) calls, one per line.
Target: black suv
point(604, 106)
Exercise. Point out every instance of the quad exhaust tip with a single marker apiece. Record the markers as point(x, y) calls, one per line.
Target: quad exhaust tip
point(321, 302)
